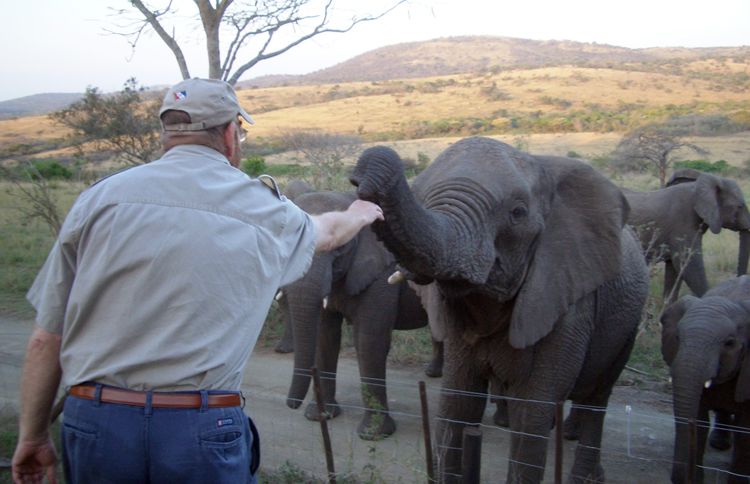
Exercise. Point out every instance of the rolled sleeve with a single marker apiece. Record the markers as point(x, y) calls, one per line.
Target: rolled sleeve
point(298, 241)
point(51, 289)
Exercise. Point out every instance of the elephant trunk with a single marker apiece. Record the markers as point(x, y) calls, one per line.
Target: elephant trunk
point(744, 252)
point(436, 244)
point(692, 368)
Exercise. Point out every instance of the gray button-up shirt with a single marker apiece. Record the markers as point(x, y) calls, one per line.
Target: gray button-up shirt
point(163, 275)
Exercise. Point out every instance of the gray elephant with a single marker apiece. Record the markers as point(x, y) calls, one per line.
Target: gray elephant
point(540, 284)
point(671, 222)
point(705, 343)
point(350, 282)
point(292, 190)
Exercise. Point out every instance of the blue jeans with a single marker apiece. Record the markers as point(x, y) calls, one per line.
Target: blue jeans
point(113, 443)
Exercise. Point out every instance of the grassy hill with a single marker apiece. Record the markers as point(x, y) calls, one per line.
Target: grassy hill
point(481, 54)
point(498, 86)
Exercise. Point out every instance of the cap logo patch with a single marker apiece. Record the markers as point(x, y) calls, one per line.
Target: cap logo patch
point(180, 95)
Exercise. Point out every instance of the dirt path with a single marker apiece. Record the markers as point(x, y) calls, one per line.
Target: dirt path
point(636, 448)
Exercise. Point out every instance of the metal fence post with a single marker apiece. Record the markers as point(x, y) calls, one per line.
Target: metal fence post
point(324, 427)
point(426, 432)
point(471, 459)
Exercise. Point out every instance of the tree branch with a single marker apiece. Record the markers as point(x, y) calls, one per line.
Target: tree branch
point(153, 19)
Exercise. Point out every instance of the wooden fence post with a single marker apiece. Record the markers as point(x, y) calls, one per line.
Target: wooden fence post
point(426, 432)
point(559, 442)
point(692, 447)
point(324, 427)
point(471, 459)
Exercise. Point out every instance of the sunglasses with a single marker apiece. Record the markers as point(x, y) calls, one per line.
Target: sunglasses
point(242, 130)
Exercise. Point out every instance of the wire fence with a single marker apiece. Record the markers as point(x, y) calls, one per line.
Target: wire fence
point(637, 443)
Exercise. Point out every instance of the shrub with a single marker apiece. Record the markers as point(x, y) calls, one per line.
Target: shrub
point(254, 165)
point(720, 166)
point(49, 170)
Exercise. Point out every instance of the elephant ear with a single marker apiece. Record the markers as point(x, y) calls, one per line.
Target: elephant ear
point(742, 389)
point(671, 317)
point(706, 201)
point(578, 250)
point(683, 175)
point(371, 258)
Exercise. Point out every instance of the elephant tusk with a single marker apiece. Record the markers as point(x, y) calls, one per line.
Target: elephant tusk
point(279, 295)
point(396, 278)
point(325, 302)
point(707, 384)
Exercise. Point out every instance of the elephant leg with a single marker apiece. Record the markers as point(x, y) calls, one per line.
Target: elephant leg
point(528, 446)
point(434, 368)
point(500, 418)
point(462, 403)
point(373, 345)
point(589, 412)
point(572, 424)
point(741, 453)
point(721, 436)
point(286, 343)
point(694, 273)
point(329, 345)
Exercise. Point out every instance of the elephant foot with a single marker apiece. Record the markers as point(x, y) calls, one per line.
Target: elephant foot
point(720, 439)
point(284, 347)
point(434, 369)
point(376, 426)
point(332, 410)
point(596, 477)
point(501, 414)
point(571, 430)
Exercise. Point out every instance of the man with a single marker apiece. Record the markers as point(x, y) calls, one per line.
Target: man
point(152, 299)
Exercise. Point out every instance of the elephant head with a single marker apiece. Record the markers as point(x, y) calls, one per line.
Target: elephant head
point(719, 203)
point(704, 342)
point(486, 222)
point(353, 267)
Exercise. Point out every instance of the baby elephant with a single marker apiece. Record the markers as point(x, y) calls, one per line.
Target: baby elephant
point(705, 344)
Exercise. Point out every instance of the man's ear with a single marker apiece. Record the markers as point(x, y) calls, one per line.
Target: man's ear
point(232, 144)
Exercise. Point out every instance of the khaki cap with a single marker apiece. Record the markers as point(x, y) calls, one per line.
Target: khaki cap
point(208, 102)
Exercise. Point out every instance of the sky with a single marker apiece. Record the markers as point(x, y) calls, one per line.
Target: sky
point(67, 45)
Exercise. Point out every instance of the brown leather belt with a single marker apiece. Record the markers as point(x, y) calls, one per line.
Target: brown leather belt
point(158, 399)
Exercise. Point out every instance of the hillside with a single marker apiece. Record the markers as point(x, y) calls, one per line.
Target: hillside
point(593, 94)
point(456, 55)
point(37, 104)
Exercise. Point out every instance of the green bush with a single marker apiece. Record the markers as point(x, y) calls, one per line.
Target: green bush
point(720, 166)
point(254, 165)
point(49, 170)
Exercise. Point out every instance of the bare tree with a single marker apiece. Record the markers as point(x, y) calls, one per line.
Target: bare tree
point(36, 194)
point(655, 147)
point(267, 27)
point(326, 154)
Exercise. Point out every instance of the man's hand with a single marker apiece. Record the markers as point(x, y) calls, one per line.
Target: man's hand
point(367, 210)
point(334, 229)
point(32, 460)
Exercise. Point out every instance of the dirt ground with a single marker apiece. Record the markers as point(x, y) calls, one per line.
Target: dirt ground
point(636, 448)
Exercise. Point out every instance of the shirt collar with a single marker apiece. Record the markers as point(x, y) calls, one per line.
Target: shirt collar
point(194, 151)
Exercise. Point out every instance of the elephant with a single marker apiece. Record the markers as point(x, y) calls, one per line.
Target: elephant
point(292, 190)
point(705, 343)
point(672, 221)
point(539, 282)
point(349, 282)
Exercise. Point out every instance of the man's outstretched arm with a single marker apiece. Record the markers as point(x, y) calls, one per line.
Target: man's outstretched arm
point(334, 229)
point(35, 454)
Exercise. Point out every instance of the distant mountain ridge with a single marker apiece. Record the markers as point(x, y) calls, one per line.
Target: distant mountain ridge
point(472, 54)
point(37, 104)
point(438, 57)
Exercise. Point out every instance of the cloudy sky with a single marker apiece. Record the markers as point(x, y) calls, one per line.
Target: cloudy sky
point(64, 46)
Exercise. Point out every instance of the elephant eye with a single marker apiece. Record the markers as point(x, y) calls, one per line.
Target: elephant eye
point(518, 214)
point(729, 343)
